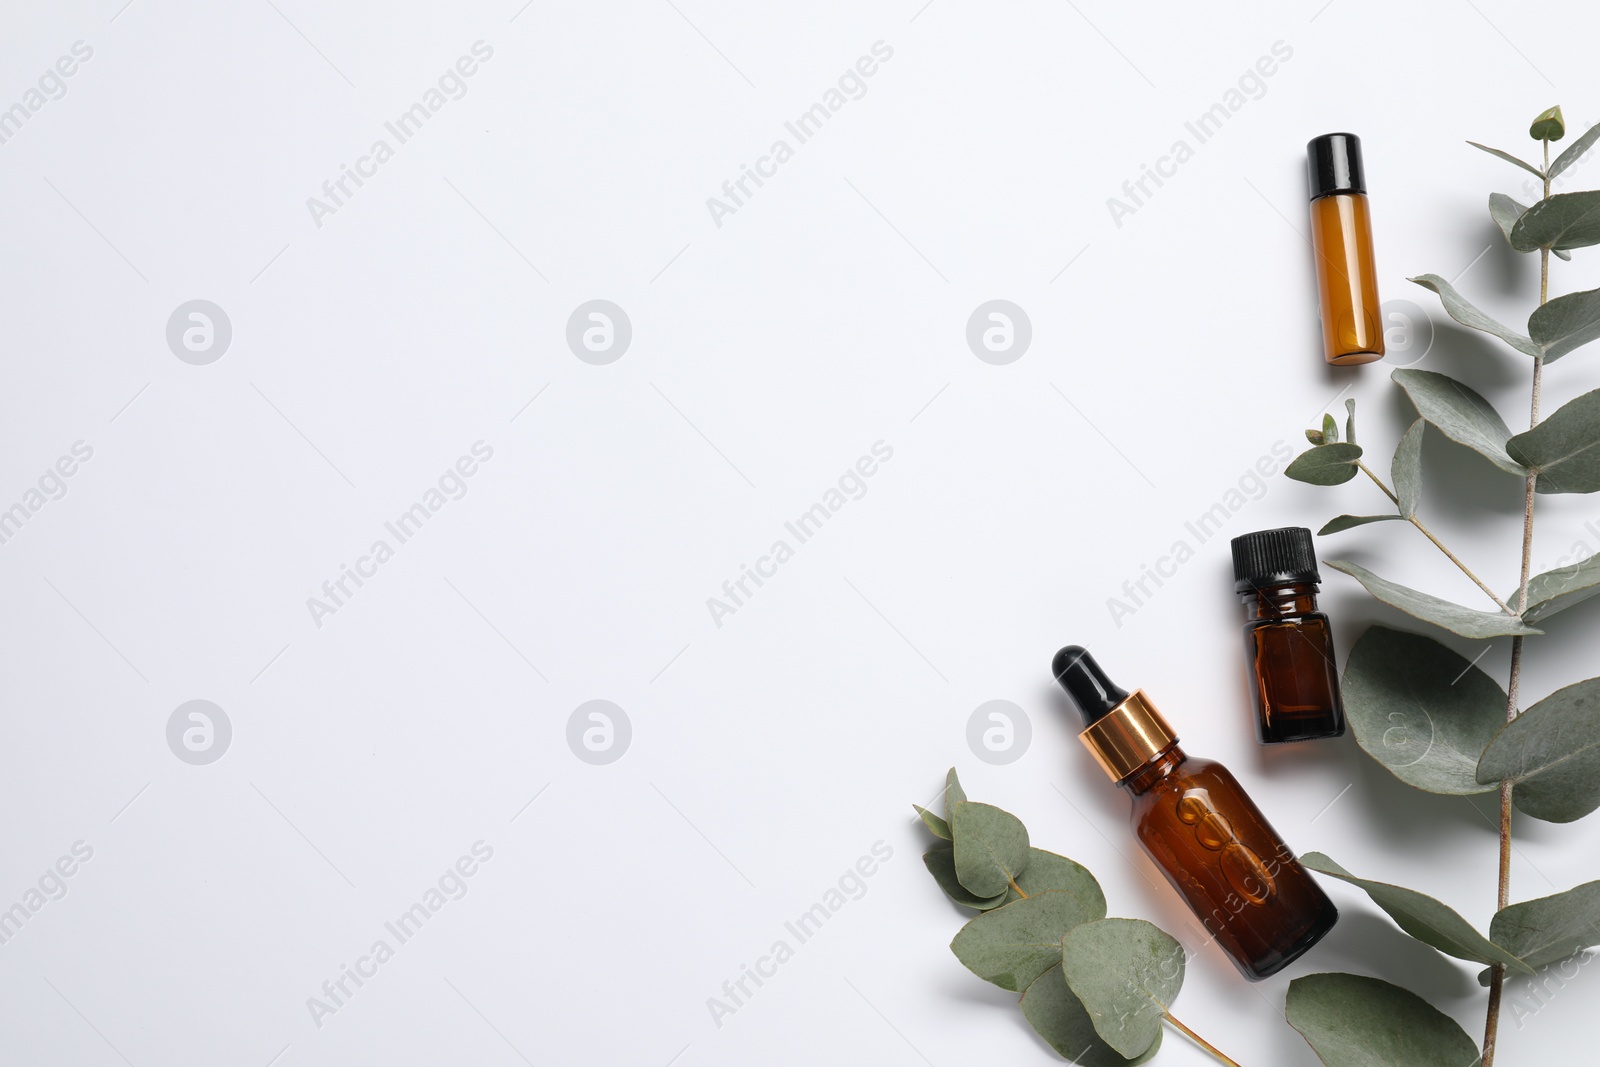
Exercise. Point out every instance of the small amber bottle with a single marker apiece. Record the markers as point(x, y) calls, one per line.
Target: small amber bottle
point(1195, 821)
point(1341, 238)
point(1288, 644)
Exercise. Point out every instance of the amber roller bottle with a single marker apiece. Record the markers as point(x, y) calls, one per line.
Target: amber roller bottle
point(1195, 821)
point(1341, 238)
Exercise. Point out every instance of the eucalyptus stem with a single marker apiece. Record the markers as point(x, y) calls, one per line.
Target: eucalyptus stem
point(1202, 1042)
point(1497, 974)
point(1440, 544)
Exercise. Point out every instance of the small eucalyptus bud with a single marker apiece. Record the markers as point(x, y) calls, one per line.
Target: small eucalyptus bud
point(1549, 126)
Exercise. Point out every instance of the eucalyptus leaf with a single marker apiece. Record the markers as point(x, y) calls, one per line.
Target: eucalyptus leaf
point(1059, 1017)
point(1350, 420)
point(1565, 323)
point(1565, 448)
point(1428, 920)
point(1466, 314)
point(1457, 618)
point(939, 827)
point(1325, 464)
point(941, 863)
point(1459, 413)
point(1561, 588)
point(1551, 754)
point(1421, 710)
point(1549, 126)
point(1353, 1021)
point(1013, 945)
point(1509, 158)
point(991, 847)
point(1348, 522)
point(1575, 150)
point(1505, 211)
point(1549, 929)
point(953, 793)
point(1047, 872)
point(1406, 470)
point(1126, 972)
point(1330, 430)
point(1315, 437)
point(1565, 220)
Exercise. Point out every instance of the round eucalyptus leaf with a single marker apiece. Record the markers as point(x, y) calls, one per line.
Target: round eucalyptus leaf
point(1421, 710)
point(1564, 220)
point(1330, 464)
point(1047, 872)
point(1552, 928)
point(1564, 448)
point(1013, 945)
point(1505, 211)
point(941, 863)
point(1126, 972)
point(1561, 588)
point(1551, 753)
point(1461, 414)
point(991, 847)
point(1060, 1018)
point(1569, 321)
point(1352, 1021)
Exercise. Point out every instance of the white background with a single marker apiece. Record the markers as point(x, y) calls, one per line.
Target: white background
point(768, 354)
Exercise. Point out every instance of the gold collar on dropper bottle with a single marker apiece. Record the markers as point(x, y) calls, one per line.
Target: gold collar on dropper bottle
point(1128, 736)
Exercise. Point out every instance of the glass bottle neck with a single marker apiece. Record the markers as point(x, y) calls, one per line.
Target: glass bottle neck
point(1148, 776)
point(1278, 601)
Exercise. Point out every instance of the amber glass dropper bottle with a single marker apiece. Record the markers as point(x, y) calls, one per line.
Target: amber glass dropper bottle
point(1194, 820)
point(1341, 239)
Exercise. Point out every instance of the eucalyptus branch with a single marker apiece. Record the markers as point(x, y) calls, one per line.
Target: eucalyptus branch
point(1497, 974)
point(1197, 1039)
point(1440, 544)
point(1103, 995)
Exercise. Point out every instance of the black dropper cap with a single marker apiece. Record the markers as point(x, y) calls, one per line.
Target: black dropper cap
point(1267, 558)
point(1086, 683)
point(1336, 165)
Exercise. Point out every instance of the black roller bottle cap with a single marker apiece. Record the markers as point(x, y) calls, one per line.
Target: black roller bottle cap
point(1086, 683)
point(1336, 165)
point(1269, 558)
